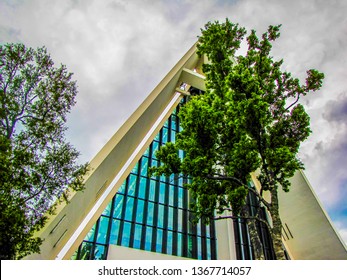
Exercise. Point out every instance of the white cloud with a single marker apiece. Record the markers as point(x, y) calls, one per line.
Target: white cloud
point(119, 50)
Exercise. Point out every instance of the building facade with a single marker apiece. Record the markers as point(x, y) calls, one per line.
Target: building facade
point(124, 213)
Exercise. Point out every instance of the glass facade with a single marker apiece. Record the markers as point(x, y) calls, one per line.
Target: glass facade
point(151, 213)
point(244, 248)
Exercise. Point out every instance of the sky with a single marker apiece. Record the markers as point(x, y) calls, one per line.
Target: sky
point(119, 50)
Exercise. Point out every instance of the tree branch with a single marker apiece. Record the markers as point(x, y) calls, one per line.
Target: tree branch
point(228, 178)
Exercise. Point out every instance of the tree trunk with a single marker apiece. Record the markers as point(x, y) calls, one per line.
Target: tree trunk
point(277, 225)
point(255, 240)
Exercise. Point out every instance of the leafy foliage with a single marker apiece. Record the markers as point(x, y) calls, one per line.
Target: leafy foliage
point(37, 164)
point(248, 119)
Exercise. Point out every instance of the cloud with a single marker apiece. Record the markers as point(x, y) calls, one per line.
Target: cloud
point(120, 50)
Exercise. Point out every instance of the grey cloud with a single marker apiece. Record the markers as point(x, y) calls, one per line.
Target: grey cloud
point(336, 110)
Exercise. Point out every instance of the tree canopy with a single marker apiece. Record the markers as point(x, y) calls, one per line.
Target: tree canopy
point(37, 164)
point(249, 119)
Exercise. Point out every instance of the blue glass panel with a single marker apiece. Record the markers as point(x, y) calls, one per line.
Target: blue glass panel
point(161, 216)
point(173, 136)
point(129, 209)
point(165, 136)
point(180, 197)
point(99, 252)
point(171, 195)
point(122, 188)
point(166, 124)
point(152, 187)
point(103, 227)
point(139, 211)
point(208, 231)
point(199, 248)
point(208, 249)
point(179, 222)
point(155, 148)
point(144, 166)
point(159, 244)
point(198, 228)
point(154, 162)
point(169, 243)
point(146, 153)
point(118, 205)
point(126, 234)
point(134, 170)
point(114, 231)
point(107, 211)
point(148, 241)
point(142, 187)
point(170, 219)
point(162, 188)
point(132, 184)
point(137, 236)
point(90, 234)
point(180, 154)
point(150, 213)
point(179, 244)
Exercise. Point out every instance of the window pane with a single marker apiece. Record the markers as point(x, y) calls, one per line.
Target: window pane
point(132, 184)
point(148, 241)
point(142, 187)
point(139, 211)
point(180, 197)
point(165, 135)
point(114, 231)
point(86, 250)
point(129, 209)
point(152, 190)
point(169, 243)
point(103, 227)
point(122, 188)
point(118, 205)
point(100, 252)
point(162, 192)
point(179, 244)
point(126, 234)
point(107, 209)
point(134, 170)
point(144, 166)
point(179, 222)
point(171, 195)
point(159, 244)
point(155, 148)
point(150, 213)
point(161, 216)
point(170, 218)
point(137, 236)
point(90, 234)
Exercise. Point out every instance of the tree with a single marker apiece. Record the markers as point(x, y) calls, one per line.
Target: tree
point(248, 120)
point(37, 165)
